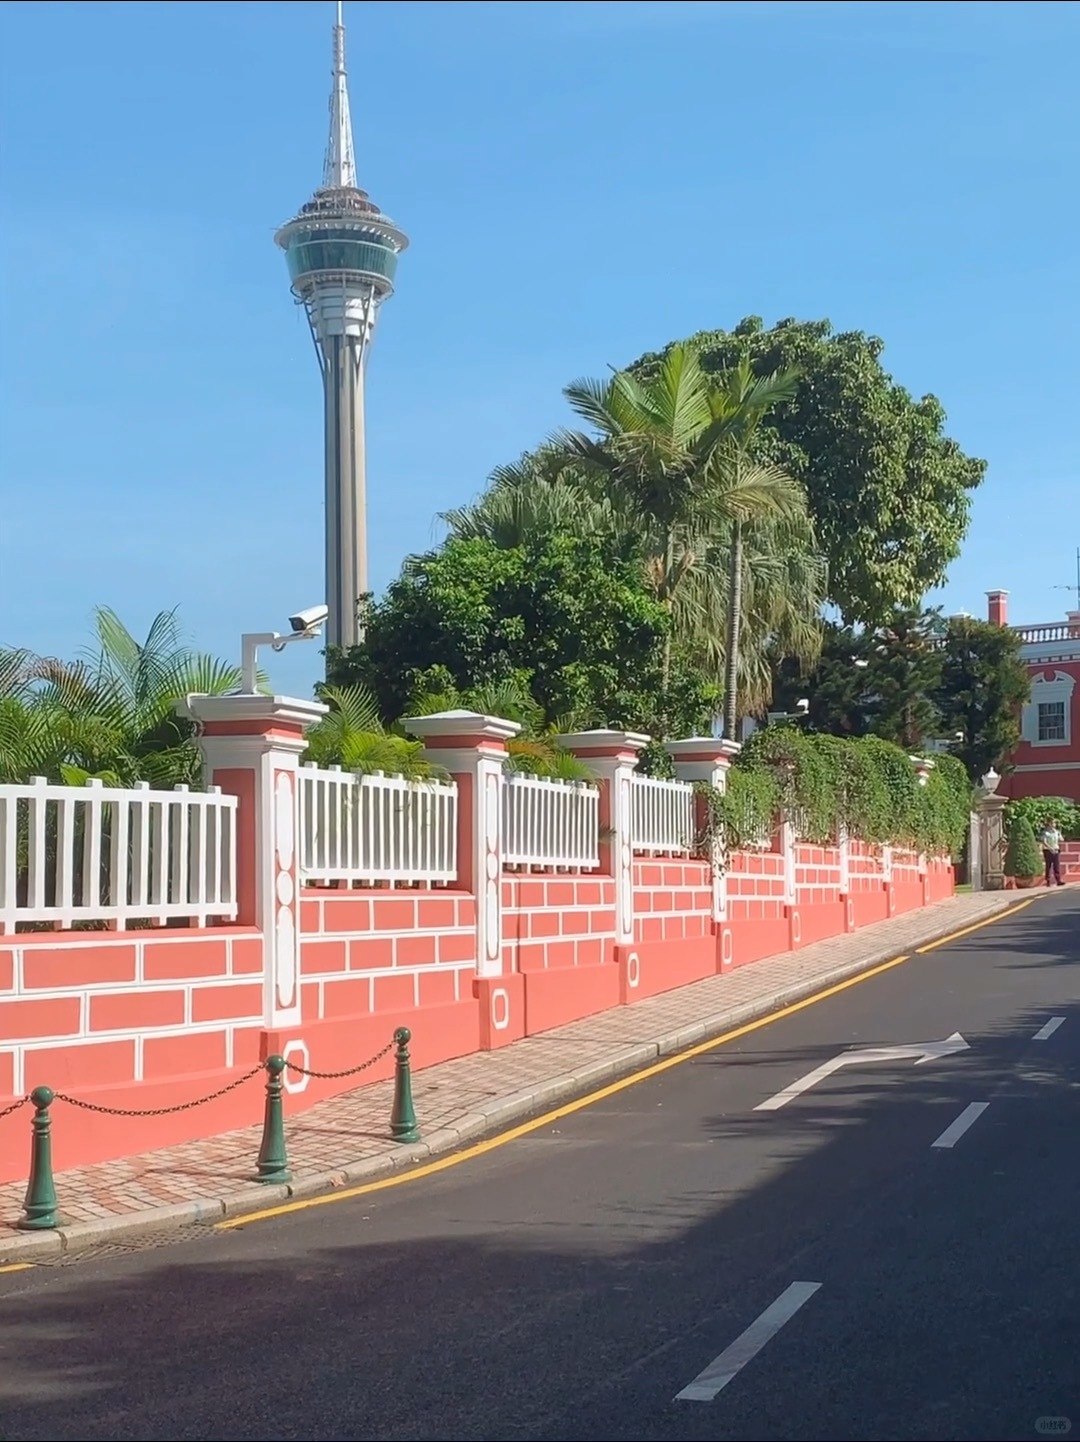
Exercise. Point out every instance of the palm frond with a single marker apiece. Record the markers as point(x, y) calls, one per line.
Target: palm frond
point(353, 706)
point(592, 401)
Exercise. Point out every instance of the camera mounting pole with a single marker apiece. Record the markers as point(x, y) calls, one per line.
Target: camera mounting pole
point(250, 642)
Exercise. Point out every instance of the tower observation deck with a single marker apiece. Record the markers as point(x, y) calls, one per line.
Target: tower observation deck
point(342, 255)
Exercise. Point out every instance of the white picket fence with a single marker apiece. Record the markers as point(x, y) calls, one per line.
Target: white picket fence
point(72, 854)
point(550, 825)
point(376, 828)
point(662, 816)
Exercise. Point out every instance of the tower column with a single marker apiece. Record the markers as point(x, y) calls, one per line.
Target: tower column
point(342, 254)
point(346, 487)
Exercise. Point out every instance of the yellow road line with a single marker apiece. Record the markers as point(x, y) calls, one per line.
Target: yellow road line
point(479, 1149)
point(14, 1267)
point(976, 926)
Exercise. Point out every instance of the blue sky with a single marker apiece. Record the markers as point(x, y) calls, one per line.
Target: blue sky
point(580, 182)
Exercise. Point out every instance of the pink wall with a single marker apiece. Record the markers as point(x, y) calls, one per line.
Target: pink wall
point(164, 1015)
point(674, 936)
point(139, 1019)
point(558, 934)
point(757, 922)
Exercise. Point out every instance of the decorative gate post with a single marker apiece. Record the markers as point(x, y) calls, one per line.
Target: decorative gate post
point(706, 759)
point(251, 745)
point(992, 842)
point(472, 748)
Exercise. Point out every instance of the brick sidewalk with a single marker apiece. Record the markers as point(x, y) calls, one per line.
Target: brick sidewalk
point(345, 1140)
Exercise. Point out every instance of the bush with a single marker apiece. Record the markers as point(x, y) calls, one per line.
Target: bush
point(1022, 859)
point(1040, 809)
point(863, 785)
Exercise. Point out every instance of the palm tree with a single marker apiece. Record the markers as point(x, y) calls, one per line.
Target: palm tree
point(751, 494)
point(781, 590)
point(112, 713)
point(675, 450)
point(652, 450)
point(540, 493)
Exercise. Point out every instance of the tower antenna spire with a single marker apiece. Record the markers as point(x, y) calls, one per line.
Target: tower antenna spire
point(339, 171)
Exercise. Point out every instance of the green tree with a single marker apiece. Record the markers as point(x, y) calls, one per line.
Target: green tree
point(566, 618)
point(884, 681)
point(888, 491)
point(903, 678)
point(836, 689)
point(983, 685)
point(782, 574)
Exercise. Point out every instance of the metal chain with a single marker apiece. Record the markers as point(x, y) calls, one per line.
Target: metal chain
point(158, 1111)
point(337, 1075)
point(14, 1107)
point(210, 1097)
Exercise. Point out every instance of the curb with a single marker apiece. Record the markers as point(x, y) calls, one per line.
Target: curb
point(471, 1127)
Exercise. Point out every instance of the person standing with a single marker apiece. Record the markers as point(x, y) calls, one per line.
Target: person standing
point(1050, 839)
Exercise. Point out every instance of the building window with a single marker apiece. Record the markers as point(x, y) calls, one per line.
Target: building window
point(1046, 720)
point(1051, 721)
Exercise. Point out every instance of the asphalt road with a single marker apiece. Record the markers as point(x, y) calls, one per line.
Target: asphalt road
point(818, 1270)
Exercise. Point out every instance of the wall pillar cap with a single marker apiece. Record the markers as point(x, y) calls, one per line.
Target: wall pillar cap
point(993, 802)
point(258, 710)
point(456, 725)
point(601, 743)
point(703, 748)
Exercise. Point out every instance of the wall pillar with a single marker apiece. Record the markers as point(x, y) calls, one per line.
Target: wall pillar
point(701, 759)
point(843, 847)
point(612, 757)
point(472, 748)
point(887, 880)
point(251, 748)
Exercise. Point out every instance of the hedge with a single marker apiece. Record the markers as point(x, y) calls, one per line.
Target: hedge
point(1038, 810)
point(865, 785)
point(1023, 858)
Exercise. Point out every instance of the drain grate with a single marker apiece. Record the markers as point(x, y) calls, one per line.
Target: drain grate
point(143, 1242)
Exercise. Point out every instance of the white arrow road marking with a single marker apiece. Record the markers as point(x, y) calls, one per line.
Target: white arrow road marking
point(1046, 1032)
point(955, 1130)
point(745, 1348)
point(920, 1052)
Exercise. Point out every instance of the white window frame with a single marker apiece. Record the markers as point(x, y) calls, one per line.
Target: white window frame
point(1045, 691)
point(1043, 720)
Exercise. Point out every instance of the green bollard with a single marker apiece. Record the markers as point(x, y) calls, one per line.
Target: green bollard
point(39, 1205)
point(273, 1160)
point(403, 1126)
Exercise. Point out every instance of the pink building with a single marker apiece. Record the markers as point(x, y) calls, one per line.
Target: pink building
point(1047, 761)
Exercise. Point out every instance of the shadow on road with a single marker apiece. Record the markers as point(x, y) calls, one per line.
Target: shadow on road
point(567, 1286)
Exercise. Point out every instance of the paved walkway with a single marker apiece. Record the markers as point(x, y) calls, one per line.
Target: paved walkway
point(345, 1140)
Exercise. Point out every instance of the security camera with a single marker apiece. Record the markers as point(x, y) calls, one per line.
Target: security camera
point(305, 627)
point(308, 620)
point(802, 706)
